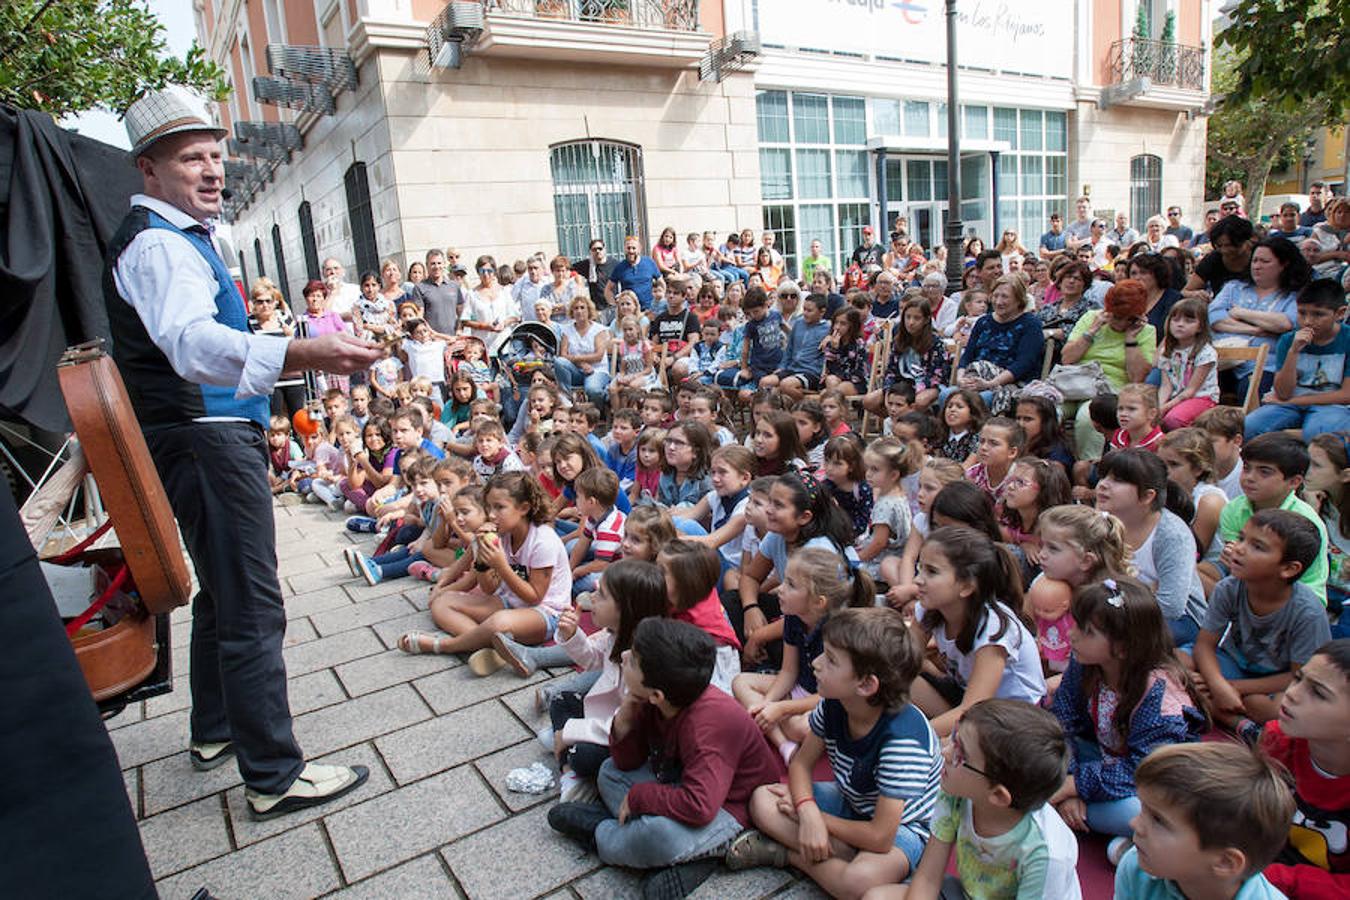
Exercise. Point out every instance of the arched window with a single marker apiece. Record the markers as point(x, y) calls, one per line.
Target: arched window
point(1145, 189)
point(307, 243)
point(597, 192)
point(281, 264)
point(257, 253)
point(361, 219)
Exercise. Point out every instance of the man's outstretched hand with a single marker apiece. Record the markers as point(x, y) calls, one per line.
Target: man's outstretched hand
point(340, 353)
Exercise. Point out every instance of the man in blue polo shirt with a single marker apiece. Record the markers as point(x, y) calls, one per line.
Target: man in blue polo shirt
point(633, 273)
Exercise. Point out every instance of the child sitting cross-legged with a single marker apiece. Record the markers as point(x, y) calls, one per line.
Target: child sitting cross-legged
point(524, 581)
point(867, 826)
point(816, 585)
point(1262, 625)
point(1123, 696)
point(1309, 739)
point(685, 759)
point(1212, 816)
point(1003, 762)
point(630, 591)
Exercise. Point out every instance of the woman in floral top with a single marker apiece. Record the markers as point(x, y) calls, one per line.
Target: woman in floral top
point(846, 354)
point(1058, 318)
point(918, 354)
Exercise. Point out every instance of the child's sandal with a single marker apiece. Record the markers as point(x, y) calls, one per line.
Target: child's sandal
point(414, 642)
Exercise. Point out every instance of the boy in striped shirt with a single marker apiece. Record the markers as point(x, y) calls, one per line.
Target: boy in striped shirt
point(868, 826)
point(602, 528)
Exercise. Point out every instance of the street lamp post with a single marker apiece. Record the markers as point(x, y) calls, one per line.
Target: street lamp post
point(954, 226)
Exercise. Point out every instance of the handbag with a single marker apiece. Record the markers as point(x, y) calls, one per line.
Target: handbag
point(1079, 382)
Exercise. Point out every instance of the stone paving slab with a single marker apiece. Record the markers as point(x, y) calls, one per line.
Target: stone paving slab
point(434, 820)
point(447, 741)
point(410, 821)
point(476, 860)
point(295, 864)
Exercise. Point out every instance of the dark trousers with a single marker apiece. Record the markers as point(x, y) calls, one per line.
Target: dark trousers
point(288, 400)
point(216, 478)
point(65, 824)
point(585, 759)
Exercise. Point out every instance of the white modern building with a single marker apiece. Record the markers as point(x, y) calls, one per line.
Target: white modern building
point(368, 129)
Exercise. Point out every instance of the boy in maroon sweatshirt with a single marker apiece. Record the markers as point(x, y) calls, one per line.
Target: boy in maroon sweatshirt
point(684, 759)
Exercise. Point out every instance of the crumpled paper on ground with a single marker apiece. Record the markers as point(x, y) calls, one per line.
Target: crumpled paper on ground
point(532, 779)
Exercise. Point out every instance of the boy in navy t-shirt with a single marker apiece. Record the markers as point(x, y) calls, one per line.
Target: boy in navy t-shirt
point(804, 359)
point(761, 348)
point(1312, 384)
point(885, 783)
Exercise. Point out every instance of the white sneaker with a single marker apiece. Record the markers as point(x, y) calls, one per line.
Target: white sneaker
point(1116, 849)
point(572, 788)
point(315, 784)
point(545, 737)
point(585, 601)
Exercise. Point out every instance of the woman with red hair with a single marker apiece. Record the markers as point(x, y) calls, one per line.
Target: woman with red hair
point(1120, 340)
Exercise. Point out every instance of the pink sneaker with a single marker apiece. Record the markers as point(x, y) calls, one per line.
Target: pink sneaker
point(423, 571)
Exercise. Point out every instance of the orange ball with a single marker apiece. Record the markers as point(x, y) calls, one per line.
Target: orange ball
point(303, 423)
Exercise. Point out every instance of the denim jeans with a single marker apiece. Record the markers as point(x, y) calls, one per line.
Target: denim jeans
point(1314, 420)
point(396, 562)
point(732, 273)
point(1106, 816)
point(570, 377)
point(649, 842)
point(1184, 630)
point(944, 393)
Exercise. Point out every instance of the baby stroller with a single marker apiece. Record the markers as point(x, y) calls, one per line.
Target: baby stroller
point(530, 347)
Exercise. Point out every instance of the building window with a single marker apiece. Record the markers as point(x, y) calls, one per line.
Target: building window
point(308, 244)
point(815, 173)
point(1145, 188)
point(361, 218)
point(281, 264)
point(597, 193)
point(257, 254)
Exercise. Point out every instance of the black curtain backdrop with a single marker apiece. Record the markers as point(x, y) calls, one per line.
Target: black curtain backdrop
point(62, 196)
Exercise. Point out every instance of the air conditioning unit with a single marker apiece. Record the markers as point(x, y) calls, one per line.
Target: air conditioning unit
point(458, 25)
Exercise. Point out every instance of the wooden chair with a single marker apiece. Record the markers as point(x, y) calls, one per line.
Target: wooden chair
point(1257, 356)
point(881, 357)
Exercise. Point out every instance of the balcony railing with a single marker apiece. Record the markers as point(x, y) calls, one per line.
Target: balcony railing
point(670, 15)
point(1161, 62)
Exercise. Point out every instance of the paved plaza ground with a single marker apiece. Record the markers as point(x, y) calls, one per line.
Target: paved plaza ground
point(435, 818)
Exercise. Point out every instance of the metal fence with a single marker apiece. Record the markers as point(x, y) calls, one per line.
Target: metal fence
point(1161, 62)
point(670, 15)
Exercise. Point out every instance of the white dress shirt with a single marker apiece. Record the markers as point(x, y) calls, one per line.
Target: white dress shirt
point(173, 289)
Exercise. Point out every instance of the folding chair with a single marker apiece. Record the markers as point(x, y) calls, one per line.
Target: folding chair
point(881, 357)
point(1257, 356)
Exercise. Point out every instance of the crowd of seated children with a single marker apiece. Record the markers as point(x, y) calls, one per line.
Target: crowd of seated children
point(985, 659)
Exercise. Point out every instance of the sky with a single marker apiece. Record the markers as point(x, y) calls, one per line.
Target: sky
point(179, 33)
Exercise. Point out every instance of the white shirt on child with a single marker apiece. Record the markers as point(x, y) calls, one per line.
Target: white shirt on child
point(426, 360)
point(1022, 675)
point(541, 549)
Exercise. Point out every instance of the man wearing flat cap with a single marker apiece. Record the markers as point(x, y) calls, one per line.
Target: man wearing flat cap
point(200, 384)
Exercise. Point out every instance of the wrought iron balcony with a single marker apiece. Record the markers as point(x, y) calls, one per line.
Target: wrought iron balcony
point(668, 15)
point(1163, 63)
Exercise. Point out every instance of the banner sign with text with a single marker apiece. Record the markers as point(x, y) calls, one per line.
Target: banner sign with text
point(1032, 37)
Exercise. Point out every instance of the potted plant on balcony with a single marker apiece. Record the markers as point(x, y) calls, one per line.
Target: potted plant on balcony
point(1141, 48)
point(1167, 53)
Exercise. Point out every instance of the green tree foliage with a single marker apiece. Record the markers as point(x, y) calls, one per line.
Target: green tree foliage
point(1249, 137)
point(1292, 53)
point(68, 56)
